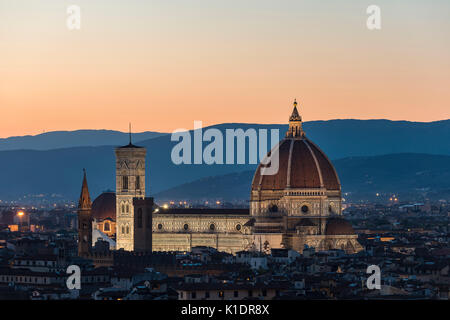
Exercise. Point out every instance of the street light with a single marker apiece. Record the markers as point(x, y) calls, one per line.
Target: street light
point(20, 214)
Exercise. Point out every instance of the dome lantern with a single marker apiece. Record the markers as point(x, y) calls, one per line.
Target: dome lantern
point(295, 124)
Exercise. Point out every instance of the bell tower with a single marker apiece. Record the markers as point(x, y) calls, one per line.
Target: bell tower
point(130, 184)
point(84, 220)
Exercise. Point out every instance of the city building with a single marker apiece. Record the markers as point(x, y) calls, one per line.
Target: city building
point(298, 206)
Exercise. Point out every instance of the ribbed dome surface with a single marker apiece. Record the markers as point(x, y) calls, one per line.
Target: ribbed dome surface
point(104, 206)
point(301, 165)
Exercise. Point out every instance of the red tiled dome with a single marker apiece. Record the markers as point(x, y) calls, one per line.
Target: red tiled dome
point(104, 206)
point(301, 165)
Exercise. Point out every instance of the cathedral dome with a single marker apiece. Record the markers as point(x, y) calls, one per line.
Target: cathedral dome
point(301, 163)
point(104, 206)
point(338, 226)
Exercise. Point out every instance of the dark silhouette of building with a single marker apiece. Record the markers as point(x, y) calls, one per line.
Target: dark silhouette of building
point(84, 220)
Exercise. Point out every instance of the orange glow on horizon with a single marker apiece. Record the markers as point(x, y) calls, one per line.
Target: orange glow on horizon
point(161, 66)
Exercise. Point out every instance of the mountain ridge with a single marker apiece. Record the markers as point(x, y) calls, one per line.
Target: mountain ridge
point(25, 172)
point(76, 138)
point(113, 137)
point(361, 177)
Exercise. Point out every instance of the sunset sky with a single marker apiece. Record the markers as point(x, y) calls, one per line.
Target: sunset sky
point(162, 64)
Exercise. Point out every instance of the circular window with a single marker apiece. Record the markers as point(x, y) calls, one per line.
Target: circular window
point(159, 226)
point(305, 209)
point(238, 227)
point(212, 227)
point(186, 226)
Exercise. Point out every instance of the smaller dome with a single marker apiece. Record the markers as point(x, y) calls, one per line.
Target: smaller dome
point(104, 206)
point(338, 226)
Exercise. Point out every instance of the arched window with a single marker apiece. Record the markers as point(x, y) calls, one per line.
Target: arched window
point(128, 229)
point(212, 227)
point(106, 227)
point(138, 182)
point(123, 208)
point(186, 227)
point(125, 182)
point(139, 218)
point(123, 229)
point(128, 208)
point(305, 209)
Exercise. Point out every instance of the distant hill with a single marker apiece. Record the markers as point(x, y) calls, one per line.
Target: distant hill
point(229, 187)
point(59, 171)
point(340, 138)
point(67, 139)
point(406, 174)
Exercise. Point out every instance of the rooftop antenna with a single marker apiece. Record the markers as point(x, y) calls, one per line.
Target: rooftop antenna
point(130, 131)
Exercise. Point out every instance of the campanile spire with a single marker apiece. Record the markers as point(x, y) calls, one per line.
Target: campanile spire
point(84, 220)
point(85, 199)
